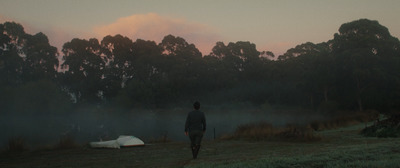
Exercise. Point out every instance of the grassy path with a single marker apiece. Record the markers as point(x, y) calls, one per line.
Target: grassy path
point(338, 148)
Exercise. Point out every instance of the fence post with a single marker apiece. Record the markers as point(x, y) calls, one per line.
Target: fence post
point(214, 133)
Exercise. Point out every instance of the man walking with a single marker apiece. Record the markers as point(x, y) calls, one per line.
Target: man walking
point(195, 127)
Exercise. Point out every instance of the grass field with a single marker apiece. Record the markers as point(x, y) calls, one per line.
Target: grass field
point(343, 147)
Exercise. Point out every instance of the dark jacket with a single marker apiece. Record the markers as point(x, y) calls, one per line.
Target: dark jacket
point(195, 121)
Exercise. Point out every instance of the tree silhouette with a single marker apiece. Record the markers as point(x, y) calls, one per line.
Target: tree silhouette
point(356, 70)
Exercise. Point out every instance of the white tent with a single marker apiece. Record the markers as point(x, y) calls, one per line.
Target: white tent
point(122, 141)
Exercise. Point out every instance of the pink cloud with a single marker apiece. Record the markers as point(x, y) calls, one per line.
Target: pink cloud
point(154, 27)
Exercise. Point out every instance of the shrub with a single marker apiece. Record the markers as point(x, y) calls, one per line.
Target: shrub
point(386, 128)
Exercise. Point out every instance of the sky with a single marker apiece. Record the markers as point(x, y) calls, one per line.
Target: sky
point(273, 25)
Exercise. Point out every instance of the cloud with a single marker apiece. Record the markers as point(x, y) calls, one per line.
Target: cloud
point(154, 27)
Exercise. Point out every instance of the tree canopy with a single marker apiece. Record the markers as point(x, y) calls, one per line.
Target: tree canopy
point(358, 69)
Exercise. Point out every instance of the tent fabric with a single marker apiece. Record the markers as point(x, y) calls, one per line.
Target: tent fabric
point(122, 141)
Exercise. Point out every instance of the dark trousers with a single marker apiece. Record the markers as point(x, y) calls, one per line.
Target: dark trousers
point(195, 139)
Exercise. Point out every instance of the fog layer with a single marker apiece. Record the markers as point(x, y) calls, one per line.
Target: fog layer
point(96, 124)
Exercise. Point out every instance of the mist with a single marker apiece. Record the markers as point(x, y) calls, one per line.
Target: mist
point(96, 124)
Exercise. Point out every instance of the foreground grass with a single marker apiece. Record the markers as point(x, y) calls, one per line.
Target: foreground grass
point(339, 148)
point(342, 148)
point(363, 156)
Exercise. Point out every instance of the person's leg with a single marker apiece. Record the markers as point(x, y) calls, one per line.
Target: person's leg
point(196, 151)
point(192, 143)
point(197, 143)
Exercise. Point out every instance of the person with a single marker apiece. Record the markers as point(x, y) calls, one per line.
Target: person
point(195, 127)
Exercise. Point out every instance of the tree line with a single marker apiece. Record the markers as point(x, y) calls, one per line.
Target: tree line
point(358, 69)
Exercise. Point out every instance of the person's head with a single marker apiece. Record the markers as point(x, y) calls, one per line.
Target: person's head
point(196, 105)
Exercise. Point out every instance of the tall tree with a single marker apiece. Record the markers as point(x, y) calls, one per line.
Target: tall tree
point(84, 65)
point(11, 62)
point(120, 59)
point(148, 59)
point(41, 60)
point(363, 49)
point(177, 46)
point(182, 65)
point(239, 59)
point(316, 63)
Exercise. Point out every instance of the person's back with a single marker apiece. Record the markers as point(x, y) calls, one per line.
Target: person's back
point(195, 127)
point(195, 121)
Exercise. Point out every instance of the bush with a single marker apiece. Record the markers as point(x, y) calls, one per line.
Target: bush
point(386, 128)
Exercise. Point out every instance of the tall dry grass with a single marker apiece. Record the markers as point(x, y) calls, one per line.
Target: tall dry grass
point(345, 118)
point(265, 131)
